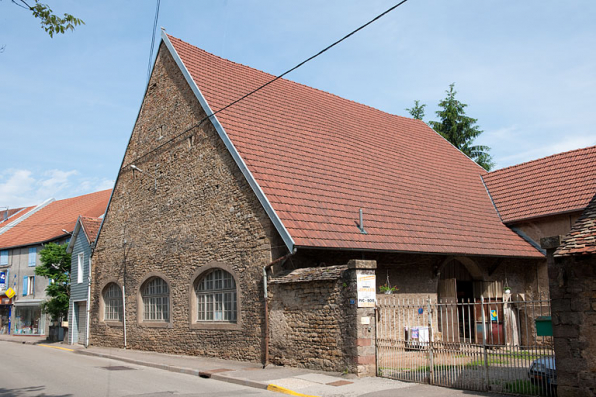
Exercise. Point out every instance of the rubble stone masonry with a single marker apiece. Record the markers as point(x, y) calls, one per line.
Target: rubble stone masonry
point(573, 293)
point(188, 209)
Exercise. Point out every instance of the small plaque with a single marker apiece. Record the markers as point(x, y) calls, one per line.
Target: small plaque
point(352, 301)
point(365, 320)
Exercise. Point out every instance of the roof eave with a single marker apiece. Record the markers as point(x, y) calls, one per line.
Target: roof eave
point(509, 223)
point(398, 251)
point(281, 229)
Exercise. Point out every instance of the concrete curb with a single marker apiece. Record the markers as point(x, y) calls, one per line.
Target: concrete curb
point(181, 370)
point(23, 342)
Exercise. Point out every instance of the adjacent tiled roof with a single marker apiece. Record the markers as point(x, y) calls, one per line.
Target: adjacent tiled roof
point(13, 214)
point(319, 158)
point(91, 227)
point(564, 182)
point(47, 223)
point(581, 239)
point(308, 274)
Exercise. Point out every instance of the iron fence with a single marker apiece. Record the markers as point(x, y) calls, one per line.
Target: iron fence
point(493, 344)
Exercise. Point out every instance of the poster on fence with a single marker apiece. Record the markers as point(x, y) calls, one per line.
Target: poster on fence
point(366, 284)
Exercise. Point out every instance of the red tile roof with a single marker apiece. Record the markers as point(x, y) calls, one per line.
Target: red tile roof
point(13, 214)
point(581, 239)
point(91, 227)
point(320, 158)
point(47, 223)
point(564, 182)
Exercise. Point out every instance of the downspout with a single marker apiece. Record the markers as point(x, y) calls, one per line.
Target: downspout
point(88, 303)
point(265, 296)
point(124, 313)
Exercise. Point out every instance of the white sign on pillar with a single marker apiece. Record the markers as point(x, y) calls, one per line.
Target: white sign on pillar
point(366, 284)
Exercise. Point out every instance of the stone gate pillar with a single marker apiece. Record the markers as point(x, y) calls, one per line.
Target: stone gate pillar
point(362, 321)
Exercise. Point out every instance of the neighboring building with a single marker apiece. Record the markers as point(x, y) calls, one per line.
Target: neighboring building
point(544, 197)
point(21, 241)
point(81, 247)
point(572, 272)
point(316, 188)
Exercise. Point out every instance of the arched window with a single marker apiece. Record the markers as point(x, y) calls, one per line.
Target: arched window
point(216, 297)
point(112, 299)
point(156, 300)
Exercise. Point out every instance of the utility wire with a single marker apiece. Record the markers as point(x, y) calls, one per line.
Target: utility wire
point(266, 84)
point(153, 40)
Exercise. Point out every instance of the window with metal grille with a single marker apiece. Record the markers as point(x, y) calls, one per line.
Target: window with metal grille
point(216, 297)
point(112, 298)
point(156, 296)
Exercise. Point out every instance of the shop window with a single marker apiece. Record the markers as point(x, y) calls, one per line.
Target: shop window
point(29, 320)
point(112, 299)
point(216, 297)
point(155, 295)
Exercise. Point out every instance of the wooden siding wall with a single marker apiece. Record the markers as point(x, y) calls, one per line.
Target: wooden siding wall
point(78, 291)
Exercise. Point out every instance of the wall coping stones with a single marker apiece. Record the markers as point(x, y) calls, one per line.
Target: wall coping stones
point(308, 274)
point(362, 264)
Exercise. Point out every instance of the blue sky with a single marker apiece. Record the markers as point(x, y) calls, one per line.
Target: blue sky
point(527, 70)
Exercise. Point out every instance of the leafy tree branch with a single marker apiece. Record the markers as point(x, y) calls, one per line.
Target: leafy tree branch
point(50, 22)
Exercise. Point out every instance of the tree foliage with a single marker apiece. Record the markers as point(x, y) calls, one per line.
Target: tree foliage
point(417, 111)
point(50, 22)
point(460, 129)
point(55, 265)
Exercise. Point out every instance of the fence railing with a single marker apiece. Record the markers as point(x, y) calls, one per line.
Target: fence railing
point(494, 344)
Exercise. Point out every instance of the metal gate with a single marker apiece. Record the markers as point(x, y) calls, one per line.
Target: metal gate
point(500, 345)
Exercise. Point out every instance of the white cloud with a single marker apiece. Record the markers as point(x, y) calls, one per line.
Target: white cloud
point(20, 188)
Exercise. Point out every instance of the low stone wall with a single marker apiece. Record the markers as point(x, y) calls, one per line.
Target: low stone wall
point(315, 322)
point(308, 322)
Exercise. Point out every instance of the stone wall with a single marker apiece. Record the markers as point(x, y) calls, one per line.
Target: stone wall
point(573, 293)
point(189, 209)
point(316, 323)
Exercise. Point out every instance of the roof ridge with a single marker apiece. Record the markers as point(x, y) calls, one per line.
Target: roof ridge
point(294, 82)
point(539, 160)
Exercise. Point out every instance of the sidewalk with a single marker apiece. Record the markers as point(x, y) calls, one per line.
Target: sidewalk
point(293, 381)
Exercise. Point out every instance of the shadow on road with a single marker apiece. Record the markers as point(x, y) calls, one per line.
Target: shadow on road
point(24, 391)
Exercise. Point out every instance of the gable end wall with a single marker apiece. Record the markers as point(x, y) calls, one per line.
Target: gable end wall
point(191, 208)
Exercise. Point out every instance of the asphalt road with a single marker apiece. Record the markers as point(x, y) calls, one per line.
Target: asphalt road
point(29, 370)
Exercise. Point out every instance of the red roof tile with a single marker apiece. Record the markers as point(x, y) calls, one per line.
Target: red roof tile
point(91, 227)
point(560, 183)
point(13, 214)
point(47, 223)
point(320, 158)
point(581, 239)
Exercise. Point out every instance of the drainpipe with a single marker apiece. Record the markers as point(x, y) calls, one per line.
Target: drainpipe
point(88, 304)
point(124, 313)
point(265, 268)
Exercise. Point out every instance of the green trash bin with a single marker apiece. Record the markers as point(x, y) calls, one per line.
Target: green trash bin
point(544, 326)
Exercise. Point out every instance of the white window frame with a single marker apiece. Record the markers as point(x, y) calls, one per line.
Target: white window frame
point(80, 261)
point(31, 285)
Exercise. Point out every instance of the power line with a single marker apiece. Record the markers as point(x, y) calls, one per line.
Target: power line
point(267, 83)
point(153, 40)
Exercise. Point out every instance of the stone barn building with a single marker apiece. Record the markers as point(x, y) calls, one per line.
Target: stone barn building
point(240, 231)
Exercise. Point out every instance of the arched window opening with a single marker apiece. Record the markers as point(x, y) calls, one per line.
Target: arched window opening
point(112, 298)
point(216, 297)
point(156, 300)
